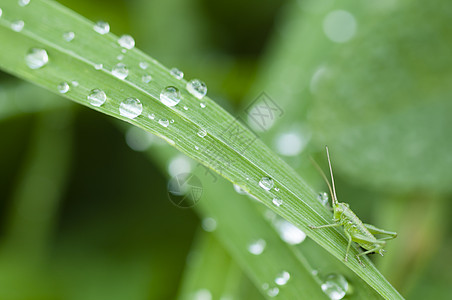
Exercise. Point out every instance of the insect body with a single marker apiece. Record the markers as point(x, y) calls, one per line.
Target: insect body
point(355, 230)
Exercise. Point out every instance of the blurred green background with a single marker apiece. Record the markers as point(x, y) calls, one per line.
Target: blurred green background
point(84, 216)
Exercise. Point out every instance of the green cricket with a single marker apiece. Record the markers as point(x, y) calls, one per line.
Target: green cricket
point(355, 230)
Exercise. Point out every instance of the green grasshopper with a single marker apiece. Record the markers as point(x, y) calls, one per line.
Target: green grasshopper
point(355, 230)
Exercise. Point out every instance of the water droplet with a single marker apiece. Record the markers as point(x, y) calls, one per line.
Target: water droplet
point(63, 87)
point(120, 57)
point(185, 107)
point(23, 2)
point(144, 65)
point(170, 96)
point(120, 71)
point(339, 26)
point(102, 27)
point(176, 73)
point(138, 139)
point(335, 286)
point(276, 189)
point(151, 116)
point(202, 294)
point(36, 58)
point(202, 104)
point(124, 51)
point(239, 190)
point(75, 83)
point(130, 108)
point(171, 121)
point(1, 12)
point(98, 66)
point(315, 272)
point(126, 41)
point(197, 88)
point(196, 148)
point(265, 286)
point(17, 25)
point(266, 183)
point(146, 78)
point(164, 122)
point(273, 292)
point(281, 279)
point(257, 247)
point(68, 36)
point(97, 97)
point(209, 224)
point(277, 201)
point(288, 232)
point(202, 132)
point(323, 198)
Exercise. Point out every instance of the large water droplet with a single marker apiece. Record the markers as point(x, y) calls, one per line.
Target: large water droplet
point(63, 87)
point(23, 2)
point(144, 65)
point(97, 97)
point(68, 36)
point(120, 71)
point(170, 96)
point(266, 183)
point(277, 201)
point(164, 122)
point(130, 108)
point(202, 132)
point(288, 232)
point(281, 279)
point(176, 73)
point(101, 27)
point(36, 58)
point(273, 292)
point(197, 88)
point(257, 247)
point(126, 41)
point(146, 78)
point(209, 224)
point(17, 25)
point(335, 286)
point(323, 198)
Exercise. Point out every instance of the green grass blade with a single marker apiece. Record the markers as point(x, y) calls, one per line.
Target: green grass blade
point(46, 22)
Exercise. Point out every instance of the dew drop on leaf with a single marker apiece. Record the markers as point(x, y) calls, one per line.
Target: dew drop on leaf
point(23, 2)
point(143, 65)
point(130, 108)
point(266, 183)
point(36, 58)
point(63, 87)
point(257, 247)
point(197, 88)
point(170, 96)
point(68, 36)
point(202, 132)
point(126, 41)
point(282, 278)
point(17, 25)
point(97, 97)
point(288, 232)
point(273, 292)
point(202, 104)
point(277, 201)
point(120, 71)
point(176, 73)
point(164, 122)
point(102, 27)
point(146, 78)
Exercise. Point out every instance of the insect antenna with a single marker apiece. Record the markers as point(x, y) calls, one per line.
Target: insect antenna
point(324, 178)
point(332, 178)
